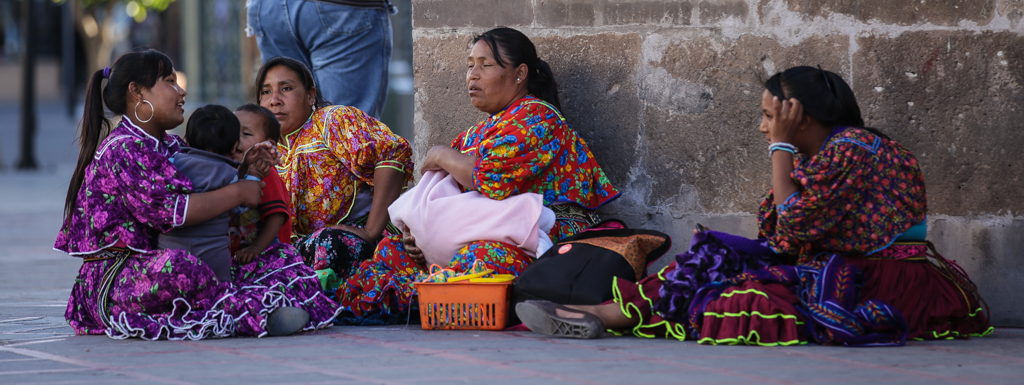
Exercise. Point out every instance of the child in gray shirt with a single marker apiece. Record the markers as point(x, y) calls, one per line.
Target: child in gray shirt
point(212, 133)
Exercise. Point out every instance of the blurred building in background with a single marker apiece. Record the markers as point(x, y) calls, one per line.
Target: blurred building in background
point(205, 39)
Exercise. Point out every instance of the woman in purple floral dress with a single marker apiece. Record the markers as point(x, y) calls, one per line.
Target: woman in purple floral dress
point(125, 191)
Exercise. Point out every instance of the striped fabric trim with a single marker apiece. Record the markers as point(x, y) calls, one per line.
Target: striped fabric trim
point(672, 329)
point(750, 314)
point(276, 204)
point(751, 338)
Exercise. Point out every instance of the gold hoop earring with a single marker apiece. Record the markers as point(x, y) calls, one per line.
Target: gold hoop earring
point(150, 108)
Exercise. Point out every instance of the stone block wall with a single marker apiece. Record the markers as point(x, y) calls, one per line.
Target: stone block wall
point(667, 94)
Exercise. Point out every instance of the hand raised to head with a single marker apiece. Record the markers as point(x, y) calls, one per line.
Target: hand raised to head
point(789, 115)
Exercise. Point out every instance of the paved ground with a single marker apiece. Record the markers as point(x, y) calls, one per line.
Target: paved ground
point(36, 345)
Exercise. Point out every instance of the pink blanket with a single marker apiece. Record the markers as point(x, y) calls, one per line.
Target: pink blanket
point(444, 219)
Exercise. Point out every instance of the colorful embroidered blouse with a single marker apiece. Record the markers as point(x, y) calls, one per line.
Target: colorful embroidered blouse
point(856, 196)
point(528, 147)
point(131, 192)
point(333, 155)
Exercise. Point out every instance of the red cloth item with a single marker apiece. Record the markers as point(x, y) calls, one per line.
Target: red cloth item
point(932, 305)
point(245, 227)
point(275, 200)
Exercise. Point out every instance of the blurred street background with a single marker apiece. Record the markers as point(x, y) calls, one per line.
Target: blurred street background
point(47, 50)
point(66, 40)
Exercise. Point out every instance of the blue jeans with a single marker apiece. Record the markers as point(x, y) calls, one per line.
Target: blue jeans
point(347, 48)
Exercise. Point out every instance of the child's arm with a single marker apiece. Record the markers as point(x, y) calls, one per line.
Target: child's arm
point(271, 226)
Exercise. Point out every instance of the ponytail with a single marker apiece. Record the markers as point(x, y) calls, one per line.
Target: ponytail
point(512, 48)
point(95, 126)
point(141, 66)
point(542, 83)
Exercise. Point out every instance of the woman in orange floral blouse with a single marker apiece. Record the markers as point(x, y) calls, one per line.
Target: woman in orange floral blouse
point(342, 168)
point(525, 146)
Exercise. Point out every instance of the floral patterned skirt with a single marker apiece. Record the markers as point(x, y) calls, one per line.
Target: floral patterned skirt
point(334, 249)
point(338, 250)
point(171, 294)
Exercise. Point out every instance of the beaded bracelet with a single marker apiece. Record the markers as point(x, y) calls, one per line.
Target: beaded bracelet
point(781, 146)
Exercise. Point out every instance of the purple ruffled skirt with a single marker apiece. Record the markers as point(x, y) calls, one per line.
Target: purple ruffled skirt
point(171, 294)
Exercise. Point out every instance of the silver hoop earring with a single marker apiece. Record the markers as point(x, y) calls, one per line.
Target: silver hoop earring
point(150, 108)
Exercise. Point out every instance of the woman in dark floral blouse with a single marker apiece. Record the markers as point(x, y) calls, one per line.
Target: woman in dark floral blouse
point(847, 206)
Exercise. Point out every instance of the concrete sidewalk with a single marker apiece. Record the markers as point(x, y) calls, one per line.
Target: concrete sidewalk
point(37, 346)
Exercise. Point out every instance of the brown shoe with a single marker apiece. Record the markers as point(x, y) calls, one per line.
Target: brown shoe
point(541, 318)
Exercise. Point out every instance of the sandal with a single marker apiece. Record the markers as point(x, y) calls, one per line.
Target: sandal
point(540, 317)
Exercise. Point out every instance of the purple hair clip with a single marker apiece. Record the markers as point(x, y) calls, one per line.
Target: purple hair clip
point(106, 73)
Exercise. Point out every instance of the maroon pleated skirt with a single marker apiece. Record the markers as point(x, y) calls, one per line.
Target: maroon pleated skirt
point(933, 306)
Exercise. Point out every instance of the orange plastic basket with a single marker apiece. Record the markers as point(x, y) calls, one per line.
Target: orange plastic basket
point(463, 305)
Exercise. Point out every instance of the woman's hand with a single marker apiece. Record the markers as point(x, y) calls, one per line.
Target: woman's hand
point(789, 115)
point(450, 160)
point(259, 160)
point(410, 247)
point(435, 157)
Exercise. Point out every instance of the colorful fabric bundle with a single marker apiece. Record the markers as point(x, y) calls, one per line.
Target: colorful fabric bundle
point(827, 293)
point(713, 257)
point(519, 220)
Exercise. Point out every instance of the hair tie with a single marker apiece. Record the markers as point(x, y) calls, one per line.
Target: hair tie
point(106, 73)
point(827, 83)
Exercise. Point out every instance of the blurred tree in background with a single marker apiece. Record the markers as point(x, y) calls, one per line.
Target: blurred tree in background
point(95, 22)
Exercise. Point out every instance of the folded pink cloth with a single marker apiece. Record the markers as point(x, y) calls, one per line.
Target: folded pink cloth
point(443, 219)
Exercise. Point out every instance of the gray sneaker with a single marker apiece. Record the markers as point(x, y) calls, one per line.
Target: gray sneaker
point(541, 318)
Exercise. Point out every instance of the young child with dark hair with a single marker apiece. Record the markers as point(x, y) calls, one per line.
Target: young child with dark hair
point(212, 133)
point(253, 231)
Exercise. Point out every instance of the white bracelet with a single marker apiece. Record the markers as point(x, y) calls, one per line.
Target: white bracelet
point(781, 146)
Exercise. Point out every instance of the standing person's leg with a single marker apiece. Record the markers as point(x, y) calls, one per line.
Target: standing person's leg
point(350, 50)
point(272, 22)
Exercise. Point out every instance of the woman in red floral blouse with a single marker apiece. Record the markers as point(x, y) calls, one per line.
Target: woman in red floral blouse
point(525, 146)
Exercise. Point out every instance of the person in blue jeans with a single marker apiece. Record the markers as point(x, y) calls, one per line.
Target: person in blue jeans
point(346, 43)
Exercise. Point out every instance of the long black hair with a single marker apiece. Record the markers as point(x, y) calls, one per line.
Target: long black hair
point(824, 95)
point(512, 48)
point(303, 72)
point(141, 66)
point(213, 128)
